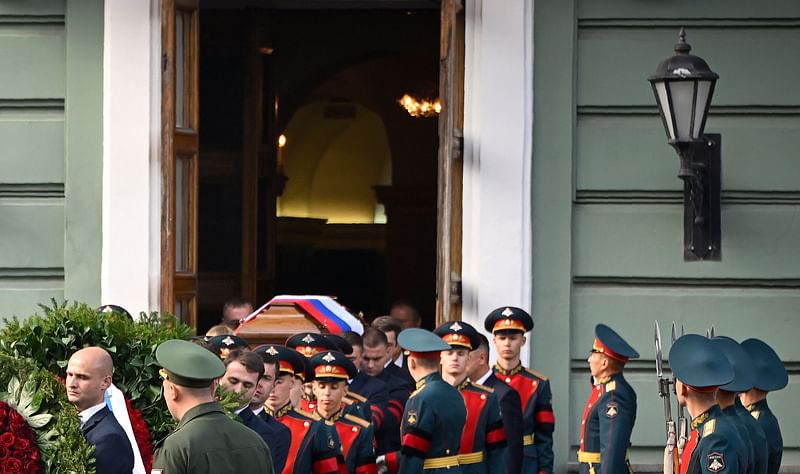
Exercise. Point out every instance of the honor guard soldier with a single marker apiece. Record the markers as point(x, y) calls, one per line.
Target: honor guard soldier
point(770, 376)
point(743, 375)
point(332, 370)
point(714, 445)
point(508, 326)
point(315, 446)
point(205, 440)
point(483, 441)
point(224, 344)
point(434, 415)
point(610, 411)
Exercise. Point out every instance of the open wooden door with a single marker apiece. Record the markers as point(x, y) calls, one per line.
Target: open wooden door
point(179, 157)
point(449, 201)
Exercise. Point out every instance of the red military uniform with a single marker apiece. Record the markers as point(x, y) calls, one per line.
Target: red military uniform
point(484, 438)
point(315, 445)
point(534, 393)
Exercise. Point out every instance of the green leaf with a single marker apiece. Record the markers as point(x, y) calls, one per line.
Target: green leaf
point(39, 421)
point(26, 396)
point(13, 391)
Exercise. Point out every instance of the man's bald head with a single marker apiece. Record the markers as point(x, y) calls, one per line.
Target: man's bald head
point(89, 373)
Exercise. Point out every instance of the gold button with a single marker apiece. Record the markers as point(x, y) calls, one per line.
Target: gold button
point(508, 379)
point(447, 451)
point(306, 424)
point(355, 430)
point(483, 397)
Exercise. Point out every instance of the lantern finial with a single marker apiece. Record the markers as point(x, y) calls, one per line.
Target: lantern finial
point(682, 47)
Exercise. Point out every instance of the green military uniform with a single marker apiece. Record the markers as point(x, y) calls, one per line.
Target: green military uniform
point(205, 440)
point(434, 416)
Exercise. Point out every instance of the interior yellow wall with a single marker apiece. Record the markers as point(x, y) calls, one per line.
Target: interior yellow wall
point(332, 165)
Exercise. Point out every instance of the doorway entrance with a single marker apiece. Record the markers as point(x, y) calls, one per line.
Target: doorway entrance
point(311, 177)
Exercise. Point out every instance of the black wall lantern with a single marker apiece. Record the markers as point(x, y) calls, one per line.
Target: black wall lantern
point(683, 85)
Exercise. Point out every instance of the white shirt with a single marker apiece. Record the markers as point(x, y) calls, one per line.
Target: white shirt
point(90, 412)
point(399, 361)
point(260, 409)
point(483, 377)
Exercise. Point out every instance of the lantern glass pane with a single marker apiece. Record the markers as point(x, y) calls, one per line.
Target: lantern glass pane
point(663, 104)
point(703, 97)
point(682, 93)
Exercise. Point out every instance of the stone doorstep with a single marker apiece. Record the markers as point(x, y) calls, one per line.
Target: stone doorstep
point(659, 468)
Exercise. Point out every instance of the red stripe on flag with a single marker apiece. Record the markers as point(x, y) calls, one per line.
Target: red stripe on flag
point(417, 442)
point(545, 417)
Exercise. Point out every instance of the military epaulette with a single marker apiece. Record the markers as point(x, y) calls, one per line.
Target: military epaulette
point(308, 414)
point(360, 398)
point(755, 413)
point(359, 421)
point(416, 392)
point(482, 387)
point(536, 373)
point(709, 427)
point(611, 386)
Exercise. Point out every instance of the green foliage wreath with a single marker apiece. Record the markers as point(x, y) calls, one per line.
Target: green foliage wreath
point(41, 399)
point(50, 339)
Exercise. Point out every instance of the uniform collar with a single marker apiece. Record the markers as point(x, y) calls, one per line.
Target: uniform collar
point(428, 378)
point(507, 373)
point(198, 411)
point(707, 415)
point(280, 411)
point(463, 384)
point(757, 406)
point(339, 413)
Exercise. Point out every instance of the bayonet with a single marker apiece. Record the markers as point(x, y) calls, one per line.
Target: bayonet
point(711, 333)
point(683, 424)
point(670, 451)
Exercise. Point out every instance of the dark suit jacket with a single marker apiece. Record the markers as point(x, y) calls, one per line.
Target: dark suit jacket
point(112, 448)
point(511, 410)
point(278, 439)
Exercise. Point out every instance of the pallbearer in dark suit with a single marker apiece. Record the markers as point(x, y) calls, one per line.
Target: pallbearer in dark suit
point(331, 372)
point(510, 406)
point(434, 415)
point(750, 431)
point(280, 436)
point(484, 440)
point(88, 376)
point(610, 411)
point(714, 445)
point(770, 376)
point(508, 326)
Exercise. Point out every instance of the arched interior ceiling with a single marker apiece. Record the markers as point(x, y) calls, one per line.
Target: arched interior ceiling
point(333, 163)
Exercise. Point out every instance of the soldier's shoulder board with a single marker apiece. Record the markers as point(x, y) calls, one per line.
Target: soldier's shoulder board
point(611, 386)
point(308, 414)
point(359, 421)
point(482, 387)
point(756, 414)
point(358, 397)
point(536, 373)
point(709, 427)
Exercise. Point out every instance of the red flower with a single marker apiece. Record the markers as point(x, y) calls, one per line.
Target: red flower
point(3, 416)
point(12, 465)
point(22, 444)
point(142, 434)
point(19, 452)
point(7, 439)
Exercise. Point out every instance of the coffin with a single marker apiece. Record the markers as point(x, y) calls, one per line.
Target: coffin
point(286, 315)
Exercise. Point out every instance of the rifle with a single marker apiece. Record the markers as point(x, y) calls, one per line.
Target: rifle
point(671, 459)
point(683, 424)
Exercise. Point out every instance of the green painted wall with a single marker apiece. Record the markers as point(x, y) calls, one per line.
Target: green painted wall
point(51, 87)
point(607, 218)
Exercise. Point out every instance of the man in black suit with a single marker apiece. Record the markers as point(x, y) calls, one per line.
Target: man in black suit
point(281, 436)
point(243, 371)
point(510, 407)
point(89, 373)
